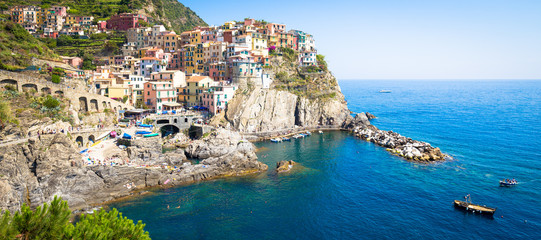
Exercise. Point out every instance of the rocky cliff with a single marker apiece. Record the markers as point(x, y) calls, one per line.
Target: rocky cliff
point(35, 172)
point(296, 97)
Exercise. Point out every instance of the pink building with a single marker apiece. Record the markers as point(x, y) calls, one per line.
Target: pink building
point(156, 94)
point(59, 10)
point(102, 25)
point(218, 71)
point(249, 21)
point(73, 61)
point(125, 21)
point(216, 98)
point(274, 28)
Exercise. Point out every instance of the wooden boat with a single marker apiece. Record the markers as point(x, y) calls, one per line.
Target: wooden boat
point(507, 184)
point(468, 206)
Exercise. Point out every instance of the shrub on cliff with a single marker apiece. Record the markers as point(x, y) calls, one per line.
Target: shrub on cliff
point(51, 221)
point(55, 78)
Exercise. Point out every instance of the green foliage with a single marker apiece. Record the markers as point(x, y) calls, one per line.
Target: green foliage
point(6, 116)
point(51, 221)
point(322, 64)
point(281, 76)
point(51, 102)
point(7, 230)
point(46, 222)
point(107, 225)
point(17, 47)
point(289, 54)
point(148, 121)
point(124, 99)
point(55, 78)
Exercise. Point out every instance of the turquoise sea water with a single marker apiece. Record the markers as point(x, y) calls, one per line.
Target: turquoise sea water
point(351, 189)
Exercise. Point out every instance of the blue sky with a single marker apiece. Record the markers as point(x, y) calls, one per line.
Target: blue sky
point(406, 39)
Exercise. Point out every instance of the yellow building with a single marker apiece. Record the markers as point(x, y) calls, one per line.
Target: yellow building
point(117, 91)
point(196, 85)
point(170, 42)
point(188, 59)
point(199, 59)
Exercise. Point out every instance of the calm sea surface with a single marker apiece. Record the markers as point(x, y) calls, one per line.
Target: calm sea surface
point(350, 189)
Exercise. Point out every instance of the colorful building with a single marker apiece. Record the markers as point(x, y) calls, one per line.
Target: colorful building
point(216, 98)
point(125, 21)
point(156, 94)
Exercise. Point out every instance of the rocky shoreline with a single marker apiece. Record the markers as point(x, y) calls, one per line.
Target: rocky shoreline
point(395, 143)
point(35, 172)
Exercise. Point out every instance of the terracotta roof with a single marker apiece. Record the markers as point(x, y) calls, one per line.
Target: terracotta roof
point(197, 78)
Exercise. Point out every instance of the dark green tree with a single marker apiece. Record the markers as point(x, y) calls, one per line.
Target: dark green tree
point(46, 222)
point(107, 225)
point(51, 221)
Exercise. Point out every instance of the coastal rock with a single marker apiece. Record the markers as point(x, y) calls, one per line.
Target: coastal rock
point(370, 116)
point(227, 153)
point(395, 143)
point(266, 110)
point(285, 166)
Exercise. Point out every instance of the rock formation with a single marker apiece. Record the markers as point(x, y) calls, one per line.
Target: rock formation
point(395, 143)
point(265, 110)
point(284, 166)
point(35, 172)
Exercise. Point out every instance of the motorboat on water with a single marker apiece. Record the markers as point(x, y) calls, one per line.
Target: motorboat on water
point(276, 140)
point(308, 133)
point(385, 91)
point(286, 139)
point(508, 183)
point(320, 132)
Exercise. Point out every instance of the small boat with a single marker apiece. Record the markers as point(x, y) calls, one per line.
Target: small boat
point(286, 139)
point(308, 133)
point(475, 208)
point(320, 132)
point(297, 136)
point(150, 135)
point(142, 132)
point(385, 91)
point(508, 184)
point(276, 140)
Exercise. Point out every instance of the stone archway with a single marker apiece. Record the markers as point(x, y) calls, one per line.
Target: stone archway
point(93, 105)
point(104, 104)
point(79, 141)
point(83, 106)
point(169, 129)
point(59, 93)
point(29, 87)
point(46, 90)
point(10, 82)
point(91, 138)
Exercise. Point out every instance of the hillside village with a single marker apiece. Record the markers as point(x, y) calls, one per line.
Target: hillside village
point(161, 70)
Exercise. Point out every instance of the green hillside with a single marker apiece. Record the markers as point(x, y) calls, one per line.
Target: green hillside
point(171, 13)
point(17, 47)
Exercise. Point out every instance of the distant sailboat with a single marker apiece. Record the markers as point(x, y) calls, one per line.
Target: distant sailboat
point(385, 91)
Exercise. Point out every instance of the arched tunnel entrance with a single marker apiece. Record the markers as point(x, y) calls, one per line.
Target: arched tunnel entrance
point(91, 139)
point(79, 141)
point(168, 130)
